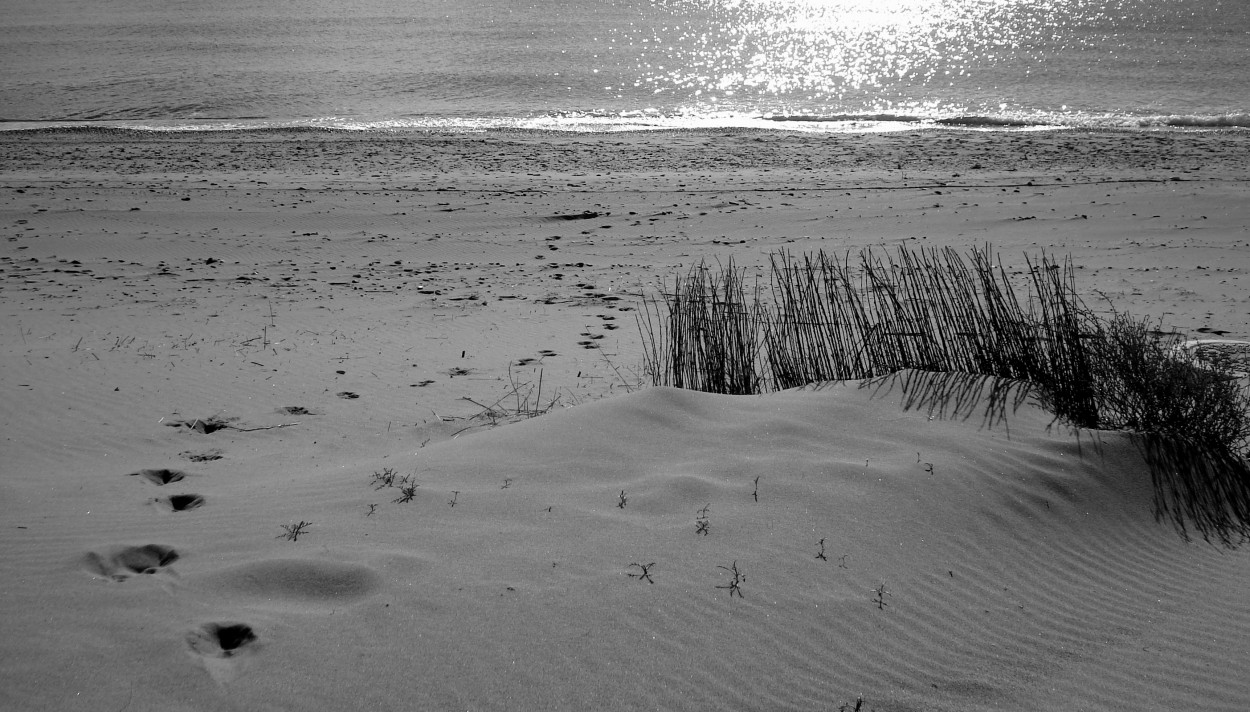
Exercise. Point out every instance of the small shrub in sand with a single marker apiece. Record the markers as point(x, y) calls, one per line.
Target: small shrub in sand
point(701, 521)
point(407, 492)
point(825, 318)
point(384, 478)
point(1141, 384)
point(292, 532)
point(734, 585)
point(644, 572)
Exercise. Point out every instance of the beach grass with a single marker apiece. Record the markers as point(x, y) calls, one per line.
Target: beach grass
point(820, 317)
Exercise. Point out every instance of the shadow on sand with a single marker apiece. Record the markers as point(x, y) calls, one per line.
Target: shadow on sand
point(953, 396)
point(1202, 489)
point(1199, 487)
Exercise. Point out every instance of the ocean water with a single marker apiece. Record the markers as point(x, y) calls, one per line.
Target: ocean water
point(601, 65)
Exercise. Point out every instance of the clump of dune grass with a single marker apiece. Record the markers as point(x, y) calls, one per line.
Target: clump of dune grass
point(840, 318)
point(827, 318)
point(710, 338)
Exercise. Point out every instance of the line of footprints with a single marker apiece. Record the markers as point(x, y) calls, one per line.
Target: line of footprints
point(217, 639)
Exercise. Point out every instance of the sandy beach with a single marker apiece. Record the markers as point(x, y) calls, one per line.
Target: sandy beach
point(218, 347)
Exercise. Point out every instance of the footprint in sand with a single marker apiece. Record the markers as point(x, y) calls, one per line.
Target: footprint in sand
point(182, 502)
point(207, 425)
point(220, 647)
point(122, 563)
point(160, 477)
point(174, 502)
point(221, 640)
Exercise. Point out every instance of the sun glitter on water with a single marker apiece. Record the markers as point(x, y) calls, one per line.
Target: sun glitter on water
point(851, 56)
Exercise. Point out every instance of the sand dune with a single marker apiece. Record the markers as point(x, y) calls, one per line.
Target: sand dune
point(1020, 566)
point(261, 447)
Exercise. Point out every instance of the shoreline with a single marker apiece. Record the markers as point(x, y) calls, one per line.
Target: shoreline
point(592, 122)
point(899, 157)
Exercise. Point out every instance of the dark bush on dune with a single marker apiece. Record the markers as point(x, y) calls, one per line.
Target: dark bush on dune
point(822, 318)
point(1141, 384)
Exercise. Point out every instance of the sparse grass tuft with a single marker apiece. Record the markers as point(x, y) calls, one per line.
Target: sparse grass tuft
point(522, 400)
point(292, 532)
point(407, 492)
point(384, 478)
point(734, 585)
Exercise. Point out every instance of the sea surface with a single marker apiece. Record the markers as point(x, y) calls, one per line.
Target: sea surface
point(603, 65)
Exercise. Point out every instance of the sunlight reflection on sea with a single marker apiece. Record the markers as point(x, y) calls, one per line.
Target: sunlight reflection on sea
point(611, 64)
